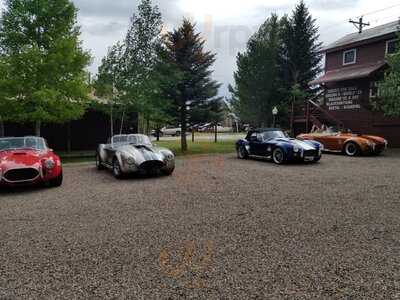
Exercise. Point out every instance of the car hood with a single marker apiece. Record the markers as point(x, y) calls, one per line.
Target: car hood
point(372, 138)
point(20, 159)
point(305, 145)
point(144, 153)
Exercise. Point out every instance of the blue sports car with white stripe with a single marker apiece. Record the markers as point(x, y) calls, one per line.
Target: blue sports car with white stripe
point(274, 144)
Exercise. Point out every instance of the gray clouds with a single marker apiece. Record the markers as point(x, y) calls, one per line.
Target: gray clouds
point(225, 24)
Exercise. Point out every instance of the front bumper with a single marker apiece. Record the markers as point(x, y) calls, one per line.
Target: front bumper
point(16, 177)
point(20, 177)
point(377, 148)
point(307, 155)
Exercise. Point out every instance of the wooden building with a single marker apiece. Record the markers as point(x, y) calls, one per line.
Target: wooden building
point(84, 134)
point(353, 66)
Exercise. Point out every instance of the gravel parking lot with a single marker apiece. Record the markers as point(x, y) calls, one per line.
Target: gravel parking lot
point(219, 228)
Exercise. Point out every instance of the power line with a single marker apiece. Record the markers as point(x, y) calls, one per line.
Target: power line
point(365, 14)
point(380, 10)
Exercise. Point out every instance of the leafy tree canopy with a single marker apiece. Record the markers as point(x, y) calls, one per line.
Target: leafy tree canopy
point(389, 88)
point(40, 47)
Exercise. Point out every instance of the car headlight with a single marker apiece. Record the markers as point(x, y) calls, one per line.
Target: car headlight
point(169, 156)
point(49, 164)
point(296, 149)
point(371, 144)
point(130, 160)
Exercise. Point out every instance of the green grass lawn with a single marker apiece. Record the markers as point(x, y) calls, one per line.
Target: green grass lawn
point(200, 147)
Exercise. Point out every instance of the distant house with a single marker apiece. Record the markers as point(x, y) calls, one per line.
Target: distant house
point(353, 66)
point(229, 118)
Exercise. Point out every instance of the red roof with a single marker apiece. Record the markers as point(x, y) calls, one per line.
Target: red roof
point(348, 73)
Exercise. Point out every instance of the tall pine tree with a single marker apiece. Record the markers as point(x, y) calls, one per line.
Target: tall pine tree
point(302, 60)
point(39, 42)
point(191, 66)
point(258, 80)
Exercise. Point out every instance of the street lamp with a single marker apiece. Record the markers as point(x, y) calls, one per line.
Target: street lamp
point(275, 112)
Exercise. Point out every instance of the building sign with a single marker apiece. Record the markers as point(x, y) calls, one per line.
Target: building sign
point(345, 98)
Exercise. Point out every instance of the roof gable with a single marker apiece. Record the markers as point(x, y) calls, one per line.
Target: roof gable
point(368, 34)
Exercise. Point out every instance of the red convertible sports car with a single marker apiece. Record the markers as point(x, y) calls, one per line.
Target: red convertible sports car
point(28, 161)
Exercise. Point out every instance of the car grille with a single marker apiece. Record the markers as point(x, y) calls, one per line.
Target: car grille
point(17, 175)
point(152, 164)
point(310, 153)
point(379, 147)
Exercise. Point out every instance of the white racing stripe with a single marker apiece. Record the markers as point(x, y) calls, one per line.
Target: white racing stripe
point(303, 145)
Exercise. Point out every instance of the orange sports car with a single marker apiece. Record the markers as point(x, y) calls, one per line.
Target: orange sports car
point(348, 143)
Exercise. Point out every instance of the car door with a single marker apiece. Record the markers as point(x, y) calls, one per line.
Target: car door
point(109, 150)
point(256, 144)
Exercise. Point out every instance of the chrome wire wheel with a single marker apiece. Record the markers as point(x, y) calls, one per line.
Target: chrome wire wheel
point(278, 156)
point(351, 149)
point(242, 152)
point(117, 169)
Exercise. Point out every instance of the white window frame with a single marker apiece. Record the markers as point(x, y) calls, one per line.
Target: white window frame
point(387, 45)
point(374, 84)
point(355, 57)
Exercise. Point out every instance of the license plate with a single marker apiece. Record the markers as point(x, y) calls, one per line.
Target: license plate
point(308, 158)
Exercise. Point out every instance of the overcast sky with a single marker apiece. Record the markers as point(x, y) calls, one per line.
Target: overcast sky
point(226, 24)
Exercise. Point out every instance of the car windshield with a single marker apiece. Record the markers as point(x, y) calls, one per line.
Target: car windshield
point(134, 139)
point(267, 135)
point(22, 143)
point(139, 139)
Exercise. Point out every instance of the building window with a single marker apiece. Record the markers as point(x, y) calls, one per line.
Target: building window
point(349, 57)
point(391, 46)
point(374, 90)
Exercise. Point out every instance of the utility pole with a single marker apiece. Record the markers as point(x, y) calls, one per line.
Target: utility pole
point(359, 24)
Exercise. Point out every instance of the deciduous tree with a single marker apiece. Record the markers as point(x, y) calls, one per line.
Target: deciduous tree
point(45, 60)
point(389, 89)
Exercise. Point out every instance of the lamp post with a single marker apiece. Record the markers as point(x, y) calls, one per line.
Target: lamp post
point(275, 112)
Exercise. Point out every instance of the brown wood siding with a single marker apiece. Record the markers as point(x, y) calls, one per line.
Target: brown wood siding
point(86, 133)
point(366, 120)
point(366, 54)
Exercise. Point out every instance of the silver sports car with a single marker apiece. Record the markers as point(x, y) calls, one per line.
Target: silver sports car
point(134, 153)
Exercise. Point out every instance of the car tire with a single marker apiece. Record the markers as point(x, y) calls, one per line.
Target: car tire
point(117, 172)
point(99, 163)
point(351, 149)
point(278, 156)
point(317, 159)
point(242, 152)
point(56, 182)
point(168, 172)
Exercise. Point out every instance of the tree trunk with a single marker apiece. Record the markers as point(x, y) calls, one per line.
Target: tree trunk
point(38, 125)
point(1, 127)
point(69, 138)
point(184, 146)
point(111, 122)
point(192, 135)
point(216, 133)
point(147, 126)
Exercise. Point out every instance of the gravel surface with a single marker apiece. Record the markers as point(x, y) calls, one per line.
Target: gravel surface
point(219, 228)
